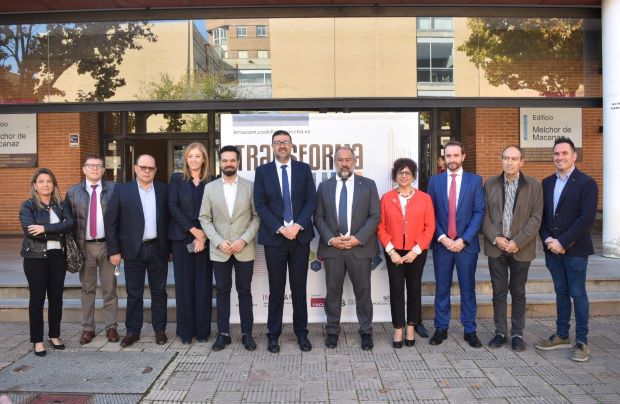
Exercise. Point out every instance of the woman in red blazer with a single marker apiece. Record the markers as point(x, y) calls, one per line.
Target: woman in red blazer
point(405, 231)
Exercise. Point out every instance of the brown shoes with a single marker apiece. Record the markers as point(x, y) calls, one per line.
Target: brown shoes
point(129, 339)
point(112, 335)
point(86, 337)
point(160, 337)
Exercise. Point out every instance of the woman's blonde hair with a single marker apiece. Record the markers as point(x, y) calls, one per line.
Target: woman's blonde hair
point(204, 170)
point(55, 193)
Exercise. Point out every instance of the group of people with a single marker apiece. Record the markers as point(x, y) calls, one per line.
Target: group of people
point(210, 226)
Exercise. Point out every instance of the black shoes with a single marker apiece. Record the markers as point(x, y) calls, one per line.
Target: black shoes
point(248, 342)
point(439, 337)
point(497, 341)
point(221, 342)
point(273, 345)
point(367, 343)
point(331, 341)
point(518, 344)
point(160, 337)
point(129, 340)
point(60, 346)
point(421, 330)
point(398, 344)
point(304, 343)
point(40, 354)
point(472, 339)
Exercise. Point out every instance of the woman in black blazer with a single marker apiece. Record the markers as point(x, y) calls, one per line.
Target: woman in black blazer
point(45, 218)
point(193, 270)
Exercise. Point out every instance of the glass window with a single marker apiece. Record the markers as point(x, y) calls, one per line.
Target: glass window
point(435, 60)
point(220, 36)
point(262, 54)
point(261, 31)
point(242, 54)
point(242, 32)
point(434, 24)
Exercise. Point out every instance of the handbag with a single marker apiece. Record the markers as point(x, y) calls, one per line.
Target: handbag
point(75, 259)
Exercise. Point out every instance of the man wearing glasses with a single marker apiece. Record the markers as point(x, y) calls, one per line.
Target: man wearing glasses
point(89, 201)
point(285, 197)
point(137, 231)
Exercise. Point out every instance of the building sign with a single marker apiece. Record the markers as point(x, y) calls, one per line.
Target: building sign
point(541, 126)
point(376, 138)
point(18, 140)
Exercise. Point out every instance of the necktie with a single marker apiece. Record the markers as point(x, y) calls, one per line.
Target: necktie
point(343, 226)
point(286, 196)
point(452, 208)
point(93, 212)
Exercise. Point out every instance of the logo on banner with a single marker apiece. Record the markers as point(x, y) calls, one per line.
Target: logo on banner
point(317, 302)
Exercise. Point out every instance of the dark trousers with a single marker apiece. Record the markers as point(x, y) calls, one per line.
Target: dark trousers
point(508, 274)
point(293, 255)
point(444, 262)
point(45, 276)
point(409, 275)
point(149, 262)
point(359, 271)
point(193, 281)
point(243, 283)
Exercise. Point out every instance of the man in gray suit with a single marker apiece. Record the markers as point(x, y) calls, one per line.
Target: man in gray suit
point(346, 217)
point(514, 206)
point(230, 221)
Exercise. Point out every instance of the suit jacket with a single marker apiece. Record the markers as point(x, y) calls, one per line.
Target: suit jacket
point(574, 215)
point(79, 199)
point(527, 215)
point(469, 209)
point(417, 227)
point(220, 226)
point(181, 207)
point(364, 218)
point(124, 220)
point(270, 204)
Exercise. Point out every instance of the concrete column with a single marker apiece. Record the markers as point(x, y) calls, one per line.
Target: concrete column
point(611, 128)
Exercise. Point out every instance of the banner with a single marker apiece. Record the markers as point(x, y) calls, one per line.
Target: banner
point(377, 140)
point(541, 126)
point(18, 140)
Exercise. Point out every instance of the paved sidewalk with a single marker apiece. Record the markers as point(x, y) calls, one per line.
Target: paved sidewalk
point(451, 372)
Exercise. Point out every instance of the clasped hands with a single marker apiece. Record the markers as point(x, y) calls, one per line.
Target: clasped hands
point(233, 247)
point(344, 242)
point(506, 245)
point(405, 259)
point(290, 232)
point(554, 246)
point(453, 245)
point(200, 239)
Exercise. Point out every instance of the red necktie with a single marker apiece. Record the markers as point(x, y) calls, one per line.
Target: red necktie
point(452, 208)
point(93, 212)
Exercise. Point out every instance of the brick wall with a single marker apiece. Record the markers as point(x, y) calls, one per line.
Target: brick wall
point(489, 130)
point(53, 152)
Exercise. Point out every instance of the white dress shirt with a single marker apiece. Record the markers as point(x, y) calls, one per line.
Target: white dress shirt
point(459, 180)
point(100, 226)
point(230, 193)
point(149, 207)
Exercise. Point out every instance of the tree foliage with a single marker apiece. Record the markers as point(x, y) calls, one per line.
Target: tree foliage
point(543, 54)
point(34, 57)
point(199, 86)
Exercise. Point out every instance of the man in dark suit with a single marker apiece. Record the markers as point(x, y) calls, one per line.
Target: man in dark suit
point(514, 204)
point(458, 199)
point(347, 214)
point(137, 231)
point(285, 198)
point(570, 202)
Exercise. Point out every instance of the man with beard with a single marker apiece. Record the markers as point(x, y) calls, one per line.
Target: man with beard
point(229, 219)
point(285, 197)
point(458, 199)
point(348, 242)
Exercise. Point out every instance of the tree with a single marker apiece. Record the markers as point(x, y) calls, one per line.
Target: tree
point(199, 86)
point(543, 54)
point(33, 57)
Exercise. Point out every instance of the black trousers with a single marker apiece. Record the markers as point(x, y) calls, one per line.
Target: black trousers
point(45, 276)
point(293, 256)
point(243, 283)
point(409, 275)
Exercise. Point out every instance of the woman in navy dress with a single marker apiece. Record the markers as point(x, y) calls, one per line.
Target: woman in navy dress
point(193, 270)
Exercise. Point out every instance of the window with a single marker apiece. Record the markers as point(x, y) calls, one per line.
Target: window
point(242, 32)
point(261, 31)
point(242, 54)
point(262, 54)
point(435, 60)
point(434, 24)
point(220, 36)
point(254, 77)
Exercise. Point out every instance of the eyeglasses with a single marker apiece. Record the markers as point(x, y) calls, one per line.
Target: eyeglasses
point(405, 173)
point(281, 143)
point(94, 166)
point(146, 169)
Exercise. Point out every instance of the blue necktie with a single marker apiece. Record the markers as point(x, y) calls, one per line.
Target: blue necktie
point(343, 227)
point(286, 196)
